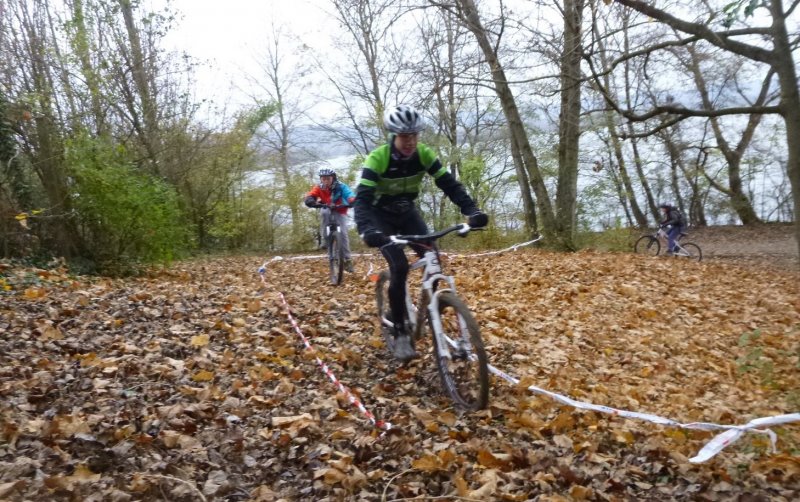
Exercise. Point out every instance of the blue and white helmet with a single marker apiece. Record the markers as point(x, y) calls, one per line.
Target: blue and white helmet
point(403, 119)
point(326, 171)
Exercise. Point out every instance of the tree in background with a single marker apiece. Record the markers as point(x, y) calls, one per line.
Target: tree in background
point(777, 57)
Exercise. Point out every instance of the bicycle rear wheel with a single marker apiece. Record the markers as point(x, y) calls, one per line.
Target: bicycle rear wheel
point(463, 367)
point(335, 258)
point(647, 244)
point(690, 251)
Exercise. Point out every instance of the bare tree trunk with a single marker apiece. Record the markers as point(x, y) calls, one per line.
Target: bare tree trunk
point(627, 186)
point(637, 161)
point(790, 104)
point(779, 58)
point(619, 188)
point(569, 126)
point(144, 88)
point(739, 200)
point(359, 17)
point(677, 152)
point(45, 147)
point(528, 204)
point(469, 15)
point(697, 213)
point(80, 44)
point(630, 194)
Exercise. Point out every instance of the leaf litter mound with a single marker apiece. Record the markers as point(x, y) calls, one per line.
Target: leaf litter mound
point(191, 384)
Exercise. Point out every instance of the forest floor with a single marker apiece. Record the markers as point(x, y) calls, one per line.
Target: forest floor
point(192, 384)
point(771, 245)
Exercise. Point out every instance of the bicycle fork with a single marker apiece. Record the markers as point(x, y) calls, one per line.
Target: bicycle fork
point(443, 342)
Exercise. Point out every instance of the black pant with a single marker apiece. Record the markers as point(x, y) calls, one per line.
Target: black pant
point(406, 223)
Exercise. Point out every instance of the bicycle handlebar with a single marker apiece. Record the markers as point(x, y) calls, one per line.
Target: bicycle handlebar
point(461, 228)
point(331, 206)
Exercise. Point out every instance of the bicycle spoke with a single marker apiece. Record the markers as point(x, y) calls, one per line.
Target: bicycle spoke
point(335, 258)
point(690, 251)
point(461, 360)
point(647, 244)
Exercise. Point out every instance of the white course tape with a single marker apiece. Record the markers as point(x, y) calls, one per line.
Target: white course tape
point(712, 448)
point(263, 267)
point(490, 253)
point(717, 444)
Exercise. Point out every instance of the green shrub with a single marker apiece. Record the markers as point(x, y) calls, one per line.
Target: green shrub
point(613, 239)
point(125, 215)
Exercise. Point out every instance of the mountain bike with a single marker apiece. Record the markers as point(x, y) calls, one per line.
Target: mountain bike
point(333, 241)
point(457, 344)
point(651, 244)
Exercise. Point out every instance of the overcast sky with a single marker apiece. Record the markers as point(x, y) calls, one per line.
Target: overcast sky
point(230, 34)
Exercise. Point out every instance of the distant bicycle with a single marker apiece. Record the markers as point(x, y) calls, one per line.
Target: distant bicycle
point(333, 241)
point(457, 344)
point(651, 244)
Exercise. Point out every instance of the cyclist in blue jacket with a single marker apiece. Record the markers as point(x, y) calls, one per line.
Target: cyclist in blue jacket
point(390, 181)
point(673, 222)
point(332, 192)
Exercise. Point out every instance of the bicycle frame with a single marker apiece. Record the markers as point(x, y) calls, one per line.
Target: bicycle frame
point(662, 236)
point(329, 223)
point(432, 276)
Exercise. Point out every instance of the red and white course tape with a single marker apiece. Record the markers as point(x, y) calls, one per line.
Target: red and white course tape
point(713, 447)
point(354, 401)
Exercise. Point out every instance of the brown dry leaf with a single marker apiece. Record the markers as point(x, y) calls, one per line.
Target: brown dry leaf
point(7, 489)
point(623, 436)
point(580, 324)
point(562, 422)
point(263, 493)
point(489, 485)
point(203, 376)
point(330, 475)
point(83, 474)
point(579, 492)
point(282, 421)
point(492, 461)
point(428, 463)
point(199, 341)
point(447, 418)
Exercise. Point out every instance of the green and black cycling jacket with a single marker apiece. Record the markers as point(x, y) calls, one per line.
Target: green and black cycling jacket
point(386, 179)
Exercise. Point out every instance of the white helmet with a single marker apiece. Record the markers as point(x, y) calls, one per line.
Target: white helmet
point(326, 171)
point(402, 119)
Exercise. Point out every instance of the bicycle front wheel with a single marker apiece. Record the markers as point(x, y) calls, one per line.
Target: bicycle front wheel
point(382, 298)
point(691, 251)
point(647, 244)
point(385, 308)
point(462, 362)
point(335, 258)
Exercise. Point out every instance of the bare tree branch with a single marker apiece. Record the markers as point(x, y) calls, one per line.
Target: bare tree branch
point(721, 39)
point(792, 7)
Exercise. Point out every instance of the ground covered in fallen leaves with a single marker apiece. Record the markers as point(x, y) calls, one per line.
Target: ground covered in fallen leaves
point(191, 384)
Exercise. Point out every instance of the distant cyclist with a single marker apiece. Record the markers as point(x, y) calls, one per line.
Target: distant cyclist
point(390, 181)
point(331, 191)
point(674, 223)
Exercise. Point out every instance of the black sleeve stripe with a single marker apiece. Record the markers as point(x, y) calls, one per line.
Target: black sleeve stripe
point(435, 167)
point(369, 174)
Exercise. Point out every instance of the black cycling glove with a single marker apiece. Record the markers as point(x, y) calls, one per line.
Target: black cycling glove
point(478, 219)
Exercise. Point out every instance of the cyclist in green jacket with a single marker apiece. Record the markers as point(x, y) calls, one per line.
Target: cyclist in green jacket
point(390, 181)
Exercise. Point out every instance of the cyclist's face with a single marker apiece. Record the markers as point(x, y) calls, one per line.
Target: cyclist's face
point(406, 143)
point(326, 181)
